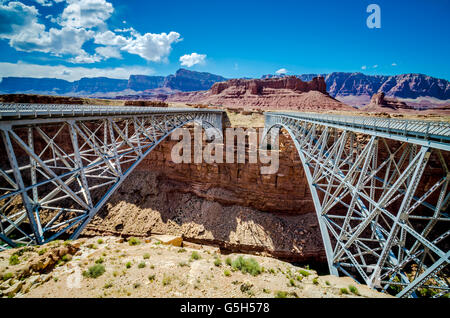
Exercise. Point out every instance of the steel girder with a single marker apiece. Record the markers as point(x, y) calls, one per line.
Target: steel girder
point(61, 163)
point(381, 198)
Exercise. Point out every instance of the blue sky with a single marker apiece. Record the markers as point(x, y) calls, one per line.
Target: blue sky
point(75, 38)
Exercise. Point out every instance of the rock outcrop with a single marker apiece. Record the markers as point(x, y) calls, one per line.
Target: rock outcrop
point(380, 103)
point(258, 87)
point(274, 93)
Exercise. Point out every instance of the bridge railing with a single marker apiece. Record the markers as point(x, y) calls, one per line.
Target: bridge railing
point(436, 130)
point(11, 110)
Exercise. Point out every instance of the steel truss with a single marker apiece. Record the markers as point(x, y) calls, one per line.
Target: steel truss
point(381, 196)
point(61, 163)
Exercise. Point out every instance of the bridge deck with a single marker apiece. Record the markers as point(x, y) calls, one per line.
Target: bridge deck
point(433, 133)
point(12, 111)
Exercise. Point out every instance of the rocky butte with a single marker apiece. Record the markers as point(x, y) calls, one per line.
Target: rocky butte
point(275, 93)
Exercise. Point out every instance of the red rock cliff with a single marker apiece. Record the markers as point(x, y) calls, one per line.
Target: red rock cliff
point(256, 86)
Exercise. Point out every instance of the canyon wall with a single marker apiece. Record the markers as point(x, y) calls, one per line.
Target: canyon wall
point(229, 205)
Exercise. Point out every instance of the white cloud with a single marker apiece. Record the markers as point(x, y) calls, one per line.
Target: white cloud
point(151, 46)
point(48, 3)
point(394, 64)
point(16, 17)
point(364, 67)
point(22, 69)
point(110, 38)
point(375, 66)
point(108, 52)
point(86, 13)
point(81, 21)
point(26, 34)
point(192, 59)
point(281, 71)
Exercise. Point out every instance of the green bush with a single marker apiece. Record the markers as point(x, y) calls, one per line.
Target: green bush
point(99, 261)
point(353, 289)
point(217, 262)
point(344, 290)
point(167, 280)
point(94, 271)
point(100, 241)
point(42, 251)
point(281, 294)
point(128, 265)
point(141, 265)
point(227, 273)
point(146, 256)
point(228, 261)
point(14, 260)
point(134, 241)
point(304, 273)
point(316, 281)
point(246, 265)
point(7, 276)
point(195, 256)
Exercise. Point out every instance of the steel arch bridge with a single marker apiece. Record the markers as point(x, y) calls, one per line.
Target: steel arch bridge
point(381, 195)
point(61, 163)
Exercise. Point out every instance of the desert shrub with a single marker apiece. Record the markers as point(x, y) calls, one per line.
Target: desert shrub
point(227, 272)
point(304, 273)
point(14, 259)
point(344, 290)
point(353, 290)
point(228, 261)
point(100, 241)
point(134, 241)
point(141, 265)
point(42, 251)
point(246, 265)
point(182, 264)
point(151, 278)
point(281, 294)
point(166, 280)
point(108, 285)
point(181, 250)
point(217, 261)
point(7, 276)
point(247, 288)
point(94, 271)
point(66, 257)
point(128, 265)
point(315, 281)
point(146, 256)
point(291, 283)
point(195, 256)
point(99, 261)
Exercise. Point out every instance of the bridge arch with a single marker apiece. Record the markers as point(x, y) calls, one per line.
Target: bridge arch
point(377, 224)
point(63, 162)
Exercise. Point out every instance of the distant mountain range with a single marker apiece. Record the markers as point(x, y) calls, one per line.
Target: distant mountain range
point(351, 88)
point(357, 88)
point(183, 80)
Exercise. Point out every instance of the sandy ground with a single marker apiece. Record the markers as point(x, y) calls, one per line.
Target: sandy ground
point(152, 269)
